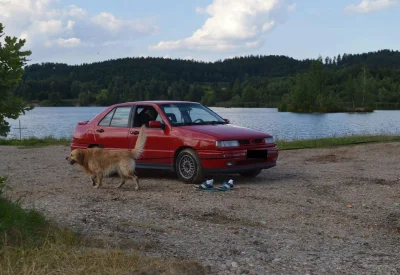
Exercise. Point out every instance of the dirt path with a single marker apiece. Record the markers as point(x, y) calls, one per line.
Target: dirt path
point(319, 211)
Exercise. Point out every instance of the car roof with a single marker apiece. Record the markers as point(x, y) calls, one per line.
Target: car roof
point(158, 102)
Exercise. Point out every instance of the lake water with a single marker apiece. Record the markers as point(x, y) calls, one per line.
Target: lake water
point(60, 122)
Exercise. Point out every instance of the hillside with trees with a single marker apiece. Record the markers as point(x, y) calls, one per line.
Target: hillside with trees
point(344, 82)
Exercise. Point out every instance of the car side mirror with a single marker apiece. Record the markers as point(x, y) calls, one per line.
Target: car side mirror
point(156, 124)
point(227, 121)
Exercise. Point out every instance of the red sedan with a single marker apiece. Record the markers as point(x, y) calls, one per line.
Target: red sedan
point(185, 137)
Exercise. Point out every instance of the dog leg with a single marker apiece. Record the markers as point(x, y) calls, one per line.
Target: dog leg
point(93, 178)
point(136, 180)
point(123, 180)
point(99, 180)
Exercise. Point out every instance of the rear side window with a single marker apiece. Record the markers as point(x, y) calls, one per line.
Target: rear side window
point(107, 119)
point(119, 117)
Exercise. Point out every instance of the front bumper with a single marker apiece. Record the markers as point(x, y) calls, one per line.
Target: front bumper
point(240, 160)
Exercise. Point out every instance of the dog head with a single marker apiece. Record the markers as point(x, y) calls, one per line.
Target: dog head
point(76, 156)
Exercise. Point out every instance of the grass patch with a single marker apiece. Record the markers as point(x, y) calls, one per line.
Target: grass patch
point(31, 245)
point(333, 141)
point(33, 141)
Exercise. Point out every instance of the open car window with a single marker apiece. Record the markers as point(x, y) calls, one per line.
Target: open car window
point(145, 114)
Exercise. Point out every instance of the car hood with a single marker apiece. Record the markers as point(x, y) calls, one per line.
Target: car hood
point(226, 131)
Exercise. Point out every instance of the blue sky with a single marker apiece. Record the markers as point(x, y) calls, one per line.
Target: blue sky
point(76, 32)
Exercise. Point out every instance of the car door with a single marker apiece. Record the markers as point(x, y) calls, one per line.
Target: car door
point(157, 152)
point(112, 131)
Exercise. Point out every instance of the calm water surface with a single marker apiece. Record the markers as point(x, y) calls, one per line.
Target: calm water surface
point(60, 122)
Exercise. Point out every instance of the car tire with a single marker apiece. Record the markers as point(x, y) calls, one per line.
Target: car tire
point(251, 173)
point(188, 166)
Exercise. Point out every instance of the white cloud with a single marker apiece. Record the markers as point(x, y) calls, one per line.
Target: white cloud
point(50, 27)
point(367, 6)
point(70, 25)
point(108, 22)
point(75, 11)
point(233, 25)
point(69, 43)
point(48, 24)
point(64, 43)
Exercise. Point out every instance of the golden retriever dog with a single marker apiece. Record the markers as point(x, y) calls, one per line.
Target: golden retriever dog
point(99, 162)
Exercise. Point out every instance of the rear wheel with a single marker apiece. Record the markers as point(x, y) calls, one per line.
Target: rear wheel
point(188, 166)
point(251, 173)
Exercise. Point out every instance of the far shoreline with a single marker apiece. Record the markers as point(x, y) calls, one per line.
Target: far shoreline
point(344, 110)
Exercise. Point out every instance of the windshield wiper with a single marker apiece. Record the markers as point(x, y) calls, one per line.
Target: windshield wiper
point(214, 122)
point(185, 124)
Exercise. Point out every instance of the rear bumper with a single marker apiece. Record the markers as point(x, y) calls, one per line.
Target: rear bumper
point(78, 146)
point(237, 161)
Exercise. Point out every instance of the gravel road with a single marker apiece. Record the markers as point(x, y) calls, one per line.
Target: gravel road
point(319, 211)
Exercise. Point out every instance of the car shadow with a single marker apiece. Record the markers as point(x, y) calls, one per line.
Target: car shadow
point(263, 178)
point(156, 174)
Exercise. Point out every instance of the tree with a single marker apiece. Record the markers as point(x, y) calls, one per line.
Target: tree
point(209, 98)
point(101, 98)
point(237, 88)
point(250, 96)
point(339, 60)
point(12, 59)
point(318, 79)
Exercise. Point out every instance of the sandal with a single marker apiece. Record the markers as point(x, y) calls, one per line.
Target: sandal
point(206, 185)
point(226, 185)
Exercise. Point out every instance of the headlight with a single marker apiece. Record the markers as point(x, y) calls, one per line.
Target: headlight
point(269, 140)
point(227, 143)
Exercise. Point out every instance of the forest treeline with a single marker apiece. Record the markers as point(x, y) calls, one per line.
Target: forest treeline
point(345, 81)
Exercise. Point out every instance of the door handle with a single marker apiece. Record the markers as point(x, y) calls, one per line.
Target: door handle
point(135, 133)
point(100, 130)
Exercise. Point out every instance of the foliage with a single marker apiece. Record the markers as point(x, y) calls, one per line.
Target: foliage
point(12, 59)
point(16, 223)
point(327, 85)
point(2, 185)
point(38, 142)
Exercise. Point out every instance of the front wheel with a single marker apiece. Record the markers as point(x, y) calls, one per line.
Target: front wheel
point(251, 174)
point(188, 166)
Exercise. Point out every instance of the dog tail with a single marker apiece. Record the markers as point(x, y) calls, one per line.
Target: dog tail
point(140, 142)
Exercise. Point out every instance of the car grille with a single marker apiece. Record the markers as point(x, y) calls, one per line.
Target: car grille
point(250, 141)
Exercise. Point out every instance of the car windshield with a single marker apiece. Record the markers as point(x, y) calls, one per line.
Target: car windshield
point(181, 114)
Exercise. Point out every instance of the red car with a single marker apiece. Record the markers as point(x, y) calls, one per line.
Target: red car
point(185, 137)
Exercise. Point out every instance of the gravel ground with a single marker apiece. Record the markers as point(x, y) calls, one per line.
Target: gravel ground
point(320, 211)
